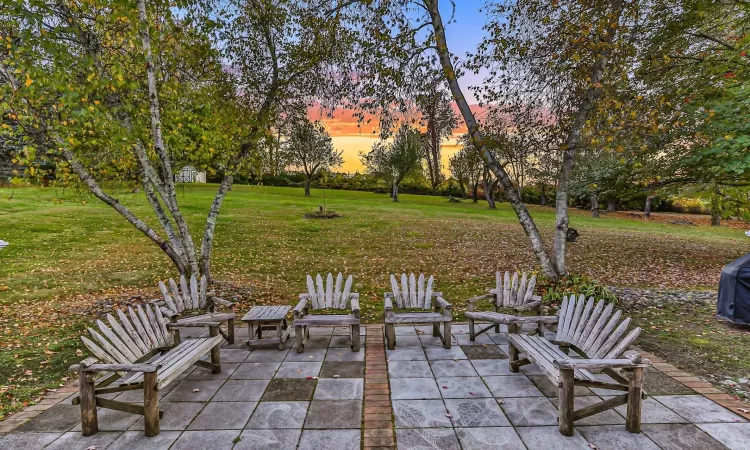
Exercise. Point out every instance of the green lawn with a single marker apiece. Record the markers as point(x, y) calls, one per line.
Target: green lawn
point(70, 255)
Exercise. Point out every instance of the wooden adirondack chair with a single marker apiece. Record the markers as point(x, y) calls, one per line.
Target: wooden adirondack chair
point(415, 295)
point(507, 294)
point(125, 357)
point(194, 304)
point(599, 338)
point(327, 296)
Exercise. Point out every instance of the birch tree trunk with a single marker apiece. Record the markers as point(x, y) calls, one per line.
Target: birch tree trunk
point(573, 140)
point(208, 235)
point(488, 193)
point(520, 209)
point(394, 192)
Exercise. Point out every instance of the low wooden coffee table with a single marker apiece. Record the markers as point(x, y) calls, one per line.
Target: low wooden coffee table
point(267, 318)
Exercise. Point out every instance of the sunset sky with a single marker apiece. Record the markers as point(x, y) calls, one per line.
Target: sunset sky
point(463, 36)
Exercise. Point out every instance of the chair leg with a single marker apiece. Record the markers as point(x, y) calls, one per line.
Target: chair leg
point(436, 329)
point(280, 334)
point(513, 358)
point(635, 395)
point(151, 404)
point(566, 399)
point(230, 331)
point(447, 334)
point(87, 396)
point(300, 337)
point(215, 353)
point(390, 336)
point(355, 338)
point(472, 333)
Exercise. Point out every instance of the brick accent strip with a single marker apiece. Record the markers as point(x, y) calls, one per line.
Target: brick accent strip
point(378, 420)
point(698, 385)
point(51, 398)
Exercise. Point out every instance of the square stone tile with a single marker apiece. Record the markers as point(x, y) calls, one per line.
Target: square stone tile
point(408, 341)
point(334, 414)
point(256, 371)
point(234, 355)
point(223, 416)
point(616, 436)
point(543, 383)
point(313, 342)
point(529, 411)
point(268, 440)
point(733, 435)
point(428, 340)
point(454, 352)
point(136, 395)
point(330, 439)
point(414, 388)
point(341, 342)
point(267, 355)
point(339, 389)
point(675, 436)
point(493, 367)
point(405, 354)
point(321, 331)
point(177, 416)
point(499, 338)
point(309, 355)
point(289, 390)
point(658, 383)
point(269, 415)
point(530, 369)
point(497, 438)
point(344, 354)
point(201, 373)
point(652, 412)
point(512, 386)
point(460, 328)
point(409, 369)
point(344, 331)
point(549, 438)
point(298, 369)
point(348, 369)
point(483, 352)
point(405, 331)
point(698, 409)
point(61, 417)
point(426, 439)
point(74, 441)
point(27, 440)
point(465, 339)
point(476, 412)
point(183, 391)
point(112, 420)
point(200, 440)
point(608, 417)
point(137, 440)
point(241, 391)
point(450, 368)
point(420, 414)
point(462, 387)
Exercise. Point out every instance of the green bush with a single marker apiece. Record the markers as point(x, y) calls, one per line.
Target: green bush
point(572, 284)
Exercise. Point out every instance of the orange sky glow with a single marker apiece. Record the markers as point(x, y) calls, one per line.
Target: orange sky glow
point(353, 138)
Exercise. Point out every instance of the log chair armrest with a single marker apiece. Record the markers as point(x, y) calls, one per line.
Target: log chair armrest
point(535, 302)
point(86, 366)
point(599, 364)
point(193, 324)
point(299, 310)
point(470, 302)
point(355, 304)
point(444, 305)
point(213, 298)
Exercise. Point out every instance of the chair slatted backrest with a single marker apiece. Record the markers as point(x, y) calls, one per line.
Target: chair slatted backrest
point(594, 328)
point(413, 292)
point(327, 295)
point(185, 296)
point(129, 339)
point(510, 292)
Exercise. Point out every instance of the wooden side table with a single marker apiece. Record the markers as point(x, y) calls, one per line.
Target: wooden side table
point(261, 318)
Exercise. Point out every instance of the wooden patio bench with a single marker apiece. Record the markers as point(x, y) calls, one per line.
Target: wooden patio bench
point(192, 303)
point(510, 294)
point(415, 295)
point(327, 296)
point(596, 335)
point(138, 352)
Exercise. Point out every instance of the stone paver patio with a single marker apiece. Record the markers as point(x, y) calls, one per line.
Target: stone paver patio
point(462, 398)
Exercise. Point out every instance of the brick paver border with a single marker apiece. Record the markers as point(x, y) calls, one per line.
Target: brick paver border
point(378, 420)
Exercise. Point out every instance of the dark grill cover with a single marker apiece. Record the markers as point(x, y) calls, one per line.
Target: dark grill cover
point(734, 291)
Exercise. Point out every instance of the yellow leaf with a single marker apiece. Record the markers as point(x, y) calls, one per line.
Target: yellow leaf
point(28, 81)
